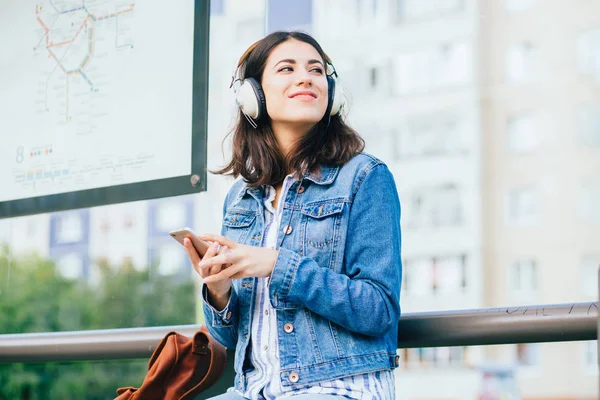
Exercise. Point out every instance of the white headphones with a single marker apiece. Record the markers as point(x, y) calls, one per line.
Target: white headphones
point(250, 97)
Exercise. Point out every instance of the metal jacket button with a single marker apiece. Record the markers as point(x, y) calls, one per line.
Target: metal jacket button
point(294, 377)
point(300, 189)
point(287, 229)
point(288, 328)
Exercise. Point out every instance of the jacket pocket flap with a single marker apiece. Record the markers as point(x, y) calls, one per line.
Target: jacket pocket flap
point(322, 209)
point(239, 218)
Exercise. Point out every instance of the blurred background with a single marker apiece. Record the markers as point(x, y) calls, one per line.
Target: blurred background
point(488, 114)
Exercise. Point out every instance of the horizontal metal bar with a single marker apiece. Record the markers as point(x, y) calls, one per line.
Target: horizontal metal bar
point(524, 324)
point(527, 324)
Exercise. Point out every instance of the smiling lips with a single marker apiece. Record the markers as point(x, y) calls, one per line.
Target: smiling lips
point(304, 95)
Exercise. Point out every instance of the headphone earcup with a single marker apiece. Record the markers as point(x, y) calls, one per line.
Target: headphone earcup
point(251, 99)
point(336, 96)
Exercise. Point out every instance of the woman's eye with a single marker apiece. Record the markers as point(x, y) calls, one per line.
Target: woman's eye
point(317, 70)
point(286, 69)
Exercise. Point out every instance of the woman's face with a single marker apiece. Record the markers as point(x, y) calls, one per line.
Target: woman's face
point(295, 84)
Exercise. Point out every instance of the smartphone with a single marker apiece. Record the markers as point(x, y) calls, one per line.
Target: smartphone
point(201, 246)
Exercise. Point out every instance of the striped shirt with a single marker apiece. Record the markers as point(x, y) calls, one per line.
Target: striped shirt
point(263, 380)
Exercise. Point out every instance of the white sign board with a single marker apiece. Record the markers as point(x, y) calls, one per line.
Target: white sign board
point(97, 93)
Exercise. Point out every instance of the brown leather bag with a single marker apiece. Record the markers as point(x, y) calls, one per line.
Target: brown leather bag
point(180, 368)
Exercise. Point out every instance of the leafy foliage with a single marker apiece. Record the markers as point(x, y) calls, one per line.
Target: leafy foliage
point(34, 297)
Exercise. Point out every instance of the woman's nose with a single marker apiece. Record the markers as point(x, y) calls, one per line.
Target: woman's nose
point(303, 78)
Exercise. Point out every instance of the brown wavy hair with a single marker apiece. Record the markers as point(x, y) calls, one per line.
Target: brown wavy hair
point(256, 155)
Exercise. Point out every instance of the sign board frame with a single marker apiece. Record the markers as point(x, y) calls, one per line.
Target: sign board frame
point(172, 186)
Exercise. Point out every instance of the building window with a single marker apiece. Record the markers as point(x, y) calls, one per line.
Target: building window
point(446, 209)
point(170, 215)
point(588, 273)
point(432, 357)
point(374, 7)
point(519, 59)
point(451, 274)
point(521, 135)
point(522, 206)
point(421, 277)
point(249, 30)
point(411, 358)
point(590, 356)
point(448, 65)
point(69, 228)
point(406, 278)
point(170, 259)
point(518, 5)
point(523, 277)
point(436, 207)
point(429, 135)
point(527, 354)
point(588, 125)
point(358, 8)
point(70, 266)
point(457, 355)
point(588, 200)
point(217, 7)
point(289, 15)
point(415, 72)
point(456, 59)
point(417, 9)
point(373, 81)
point(588, 54)
point(426, 276)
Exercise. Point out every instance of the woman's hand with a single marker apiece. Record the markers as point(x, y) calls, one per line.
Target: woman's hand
point(218, 289)
point(242, 261)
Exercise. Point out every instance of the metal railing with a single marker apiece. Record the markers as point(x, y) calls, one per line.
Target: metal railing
point(526, 324)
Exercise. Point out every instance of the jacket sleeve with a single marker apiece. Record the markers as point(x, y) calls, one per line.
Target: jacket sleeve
point(365, 298)
point(223, 325)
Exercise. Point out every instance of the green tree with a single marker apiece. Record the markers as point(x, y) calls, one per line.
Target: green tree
point(34, 297)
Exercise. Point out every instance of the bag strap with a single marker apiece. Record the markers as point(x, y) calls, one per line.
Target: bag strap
point(203, 344)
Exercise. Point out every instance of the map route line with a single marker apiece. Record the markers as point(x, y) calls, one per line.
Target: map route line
point(66, 11)
point(90, 19)
point(51, 73)
point(46, 32)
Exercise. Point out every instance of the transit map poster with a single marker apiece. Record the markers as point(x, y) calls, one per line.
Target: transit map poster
point(100, 95)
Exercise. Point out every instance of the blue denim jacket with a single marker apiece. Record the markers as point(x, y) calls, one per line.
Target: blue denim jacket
point(336, 281)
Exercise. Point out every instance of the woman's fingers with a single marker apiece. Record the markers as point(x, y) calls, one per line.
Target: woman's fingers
point(191, 251)
point(223, 258)
point(227, 273)
point(216, 268)
point(203, 267)
point(223, 241)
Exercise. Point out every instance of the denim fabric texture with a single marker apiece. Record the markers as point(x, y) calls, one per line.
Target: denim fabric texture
point(336, 281)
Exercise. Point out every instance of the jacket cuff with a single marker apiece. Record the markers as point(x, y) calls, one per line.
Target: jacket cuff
point(282, 279)
point(218, 319)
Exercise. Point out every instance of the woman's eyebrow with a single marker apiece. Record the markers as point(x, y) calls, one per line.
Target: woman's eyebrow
point(292, 61)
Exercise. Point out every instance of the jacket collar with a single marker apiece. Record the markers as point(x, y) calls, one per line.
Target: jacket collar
point(324, 175)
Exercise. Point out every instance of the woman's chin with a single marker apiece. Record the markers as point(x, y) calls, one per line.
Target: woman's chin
point(304, 119)
point(299, 121)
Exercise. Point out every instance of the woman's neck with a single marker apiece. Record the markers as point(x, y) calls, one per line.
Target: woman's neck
point(288, 135)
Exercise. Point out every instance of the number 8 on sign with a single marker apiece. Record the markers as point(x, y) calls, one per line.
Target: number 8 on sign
point(19, 154)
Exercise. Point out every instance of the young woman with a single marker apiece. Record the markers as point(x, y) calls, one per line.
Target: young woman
point(304, 280)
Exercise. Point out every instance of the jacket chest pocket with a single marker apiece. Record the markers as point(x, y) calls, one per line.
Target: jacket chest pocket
point(237, 224)
point(321, 225)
